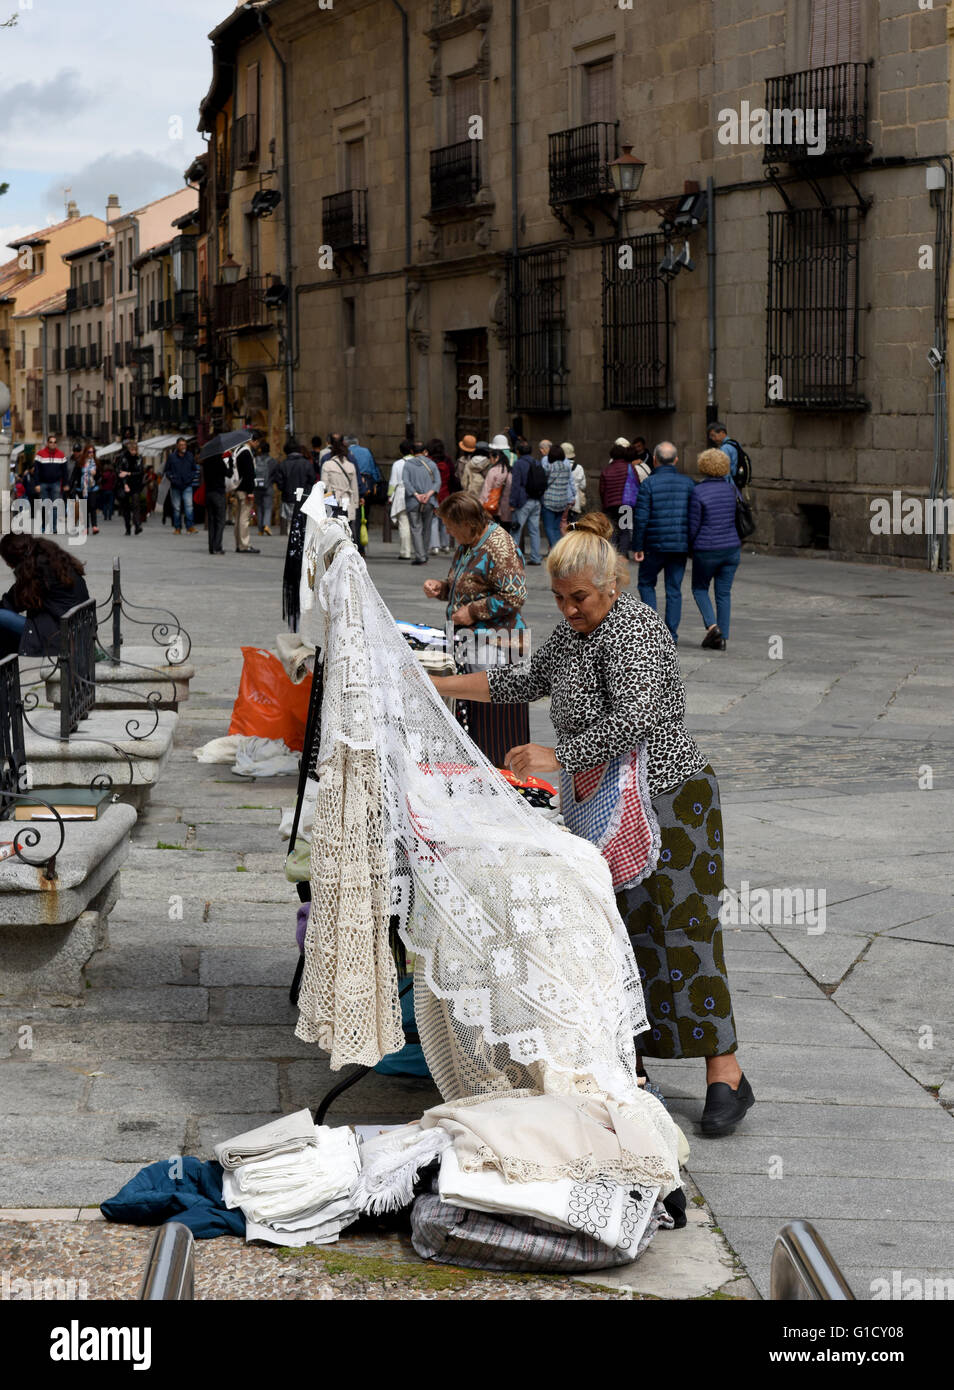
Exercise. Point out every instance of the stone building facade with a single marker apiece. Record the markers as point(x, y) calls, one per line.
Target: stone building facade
point(460, 260)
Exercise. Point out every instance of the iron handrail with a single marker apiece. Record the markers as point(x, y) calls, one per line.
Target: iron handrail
point(169, 1275)
point(803, 1269)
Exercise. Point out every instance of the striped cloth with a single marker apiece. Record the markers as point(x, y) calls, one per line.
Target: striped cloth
point(609, 805)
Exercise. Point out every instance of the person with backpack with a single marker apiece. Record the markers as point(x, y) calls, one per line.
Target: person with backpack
point(528, 483)
point(243, 461)
point(495, 493)
point(559, 494)
point(740, 465)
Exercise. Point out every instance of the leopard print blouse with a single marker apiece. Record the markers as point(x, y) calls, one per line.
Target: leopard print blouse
point(609, 691)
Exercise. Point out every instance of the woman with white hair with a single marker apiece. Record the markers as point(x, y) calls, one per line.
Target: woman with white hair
point(611, 672)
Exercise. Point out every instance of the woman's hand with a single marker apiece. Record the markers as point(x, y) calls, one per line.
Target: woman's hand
point(432, 588)
point(462, 618)
point(529, 758)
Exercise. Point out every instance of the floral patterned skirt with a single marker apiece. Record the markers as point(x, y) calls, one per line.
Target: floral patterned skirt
point(673, 922)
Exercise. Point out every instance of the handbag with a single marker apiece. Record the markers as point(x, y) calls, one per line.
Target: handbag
point(744, 518)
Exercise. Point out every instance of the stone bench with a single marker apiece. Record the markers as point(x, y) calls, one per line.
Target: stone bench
point(49, 929)
point(74, 762)
point(127, 685)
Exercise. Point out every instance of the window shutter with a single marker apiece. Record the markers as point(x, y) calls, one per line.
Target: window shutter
point(599, 102)
point(464, 103)
point(835, 33)
point(251, 109)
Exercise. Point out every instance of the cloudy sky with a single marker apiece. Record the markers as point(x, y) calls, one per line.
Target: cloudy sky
point(90, 92)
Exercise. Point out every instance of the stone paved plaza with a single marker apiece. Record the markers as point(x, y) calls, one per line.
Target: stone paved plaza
point(830, 723)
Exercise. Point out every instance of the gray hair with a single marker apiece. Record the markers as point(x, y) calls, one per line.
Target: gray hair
point(662, 454)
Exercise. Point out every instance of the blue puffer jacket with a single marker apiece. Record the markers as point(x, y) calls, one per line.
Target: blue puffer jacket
point(712, 516)
point(662, 511)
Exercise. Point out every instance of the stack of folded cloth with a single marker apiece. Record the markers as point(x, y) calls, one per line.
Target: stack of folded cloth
point(292, 1179)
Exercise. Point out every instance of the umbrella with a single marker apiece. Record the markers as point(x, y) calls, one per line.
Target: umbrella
point(220, 443)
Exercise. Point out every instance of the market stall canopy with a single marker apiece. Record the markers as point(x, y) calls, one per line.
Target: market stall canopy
point(108, 450)
point(157, 444)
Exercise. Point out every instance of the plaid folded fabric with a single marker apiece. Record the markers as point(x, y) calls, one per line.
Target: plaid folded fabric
point(610, 807)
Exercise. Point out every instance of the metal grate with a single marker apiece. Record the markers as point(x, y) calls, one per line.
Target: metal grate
point(344, 220)
point(636, 325)
point(536, 332)
point(812, 332)
point(455, 175)
point(12, 751)
point(77, 665)
point(579, 160)
point(840, 91)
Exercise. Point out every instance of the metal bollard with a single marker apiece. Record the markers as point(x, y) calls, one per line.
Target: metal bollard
point(803, 1271)
point(169, 1273)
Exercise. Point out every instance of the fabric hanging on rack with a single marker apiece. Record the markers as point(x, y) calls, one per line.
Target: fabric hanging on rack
point(524, 975)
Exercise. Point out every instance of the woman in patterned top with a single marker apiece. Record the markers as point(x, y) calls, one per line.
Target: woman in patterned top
point(611, 672)
point(485, 590)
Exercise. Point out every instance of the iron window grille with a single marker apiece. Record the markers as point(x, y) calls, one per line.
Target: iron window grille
point(344, 220)
point(579, 160)
point(841, 91)
point(636, 325)
point(812, 343)
point(455, 175)
point(537, 372)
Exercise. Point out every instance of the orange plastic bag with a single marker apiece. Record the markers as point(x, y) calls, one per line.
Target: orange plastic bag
point(268, 704)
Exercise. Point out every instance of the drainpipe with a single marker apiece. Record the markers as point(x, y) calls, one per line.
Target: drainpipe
point(514, 214)
point(712, 408)
point(286, 197)
point(406, 96)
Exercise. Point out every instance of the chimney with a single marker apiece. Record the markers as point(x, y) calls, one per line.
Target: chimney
point(71, 209)
point(112, 207)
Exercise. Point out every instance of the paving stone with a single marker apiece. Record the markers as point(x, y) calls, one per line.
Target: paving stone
point(822, 1122)
point(795, 1021)
point(134, 967)
point(827, 957)
point(95, 1041)
point(215, 1129)
point(257, 1005)
point(780, 1158)
point(175, 1088)
point(263, 966)
point(916, 1028)
point(240, 838)
point(772, 984)
point(234, 886)
point(165, 1003)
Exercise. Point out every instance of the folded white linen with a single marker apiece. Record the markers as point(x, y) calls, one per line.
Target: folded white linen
point(615, 1214)
point(288, 1134)
point(296, 1185)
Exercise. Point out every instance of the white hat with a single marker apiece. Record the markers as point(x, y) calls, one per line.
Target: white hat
point(500, 441)
point(568, 450)
point(623, 443)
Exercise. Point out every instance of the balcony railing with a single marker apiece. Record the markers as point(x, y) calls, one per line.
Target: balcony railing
point(244, 142)
point(579, 160)
point(144, 405)
point(54, 424)
point(223, 183)
point(821, 113)
point(455, 175)
point(137, 321)
point(108, 367)
point(118, 354)
point(185, 306)
point(81, 296)
point(344, 220)
point(240, 305)
point(128, 352)
point(55, 360)
point(93, 355)
point(74, 424)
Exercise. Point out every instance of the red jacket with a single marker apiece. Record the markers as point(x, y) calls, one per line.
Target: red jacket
point(612, 482)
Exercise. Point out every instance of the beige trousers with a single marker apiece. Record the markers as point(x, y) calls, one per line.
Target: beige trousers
point(244, 500)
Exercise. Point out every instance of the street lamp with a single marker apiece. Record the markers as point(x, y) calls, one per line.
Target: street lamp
point(626, 171)
point(229, 270)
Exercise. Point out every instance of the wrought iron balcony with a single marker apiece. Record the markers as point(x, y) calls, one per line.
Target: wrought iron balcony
point(829, 105)
point(244, 142)
point(579, 160)
point(95, 292)
point(455, 175)
point(240, 306)
point(92, 355)
point(449, 15)
point(160, 313)
point(344, 220)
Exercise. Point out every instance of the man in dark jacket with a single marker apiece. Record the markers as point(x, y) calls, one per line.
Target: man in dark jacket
point(661, 532)
point(51, 474)
point(180, 467)
point(130, 475)
point(525, 510)
point(213, 473)
point(295, 478)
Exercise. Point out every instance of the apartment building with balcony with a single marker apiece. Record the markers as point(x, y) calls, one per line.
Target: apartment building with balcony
point(43, 274)
point(87, 414)
point(243, 235)
point(484, 269)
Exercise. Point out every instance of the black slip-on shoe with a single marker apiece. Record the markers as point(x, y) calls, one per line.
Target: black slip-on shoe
point(713, 639)
point(724, 1107)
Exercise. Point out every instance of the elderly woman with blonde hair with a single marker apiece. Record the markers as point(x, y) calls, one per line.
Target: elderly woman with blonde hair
point(611, 672)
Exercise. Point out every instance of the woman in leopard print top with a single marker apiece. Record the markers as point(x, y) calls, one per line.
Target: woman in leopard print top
point(611, 672)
